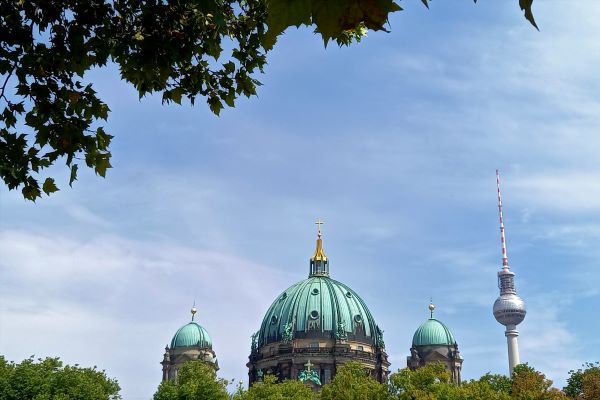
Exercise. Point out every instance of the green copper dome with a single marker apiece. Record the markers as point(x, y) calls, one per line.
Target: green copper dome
point(433, 333)
point(191, 334)
point(318, 307)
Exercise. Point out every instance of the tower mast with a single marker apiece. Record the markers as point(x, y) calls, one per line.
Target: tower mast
point(502, 234)
point(509, 309)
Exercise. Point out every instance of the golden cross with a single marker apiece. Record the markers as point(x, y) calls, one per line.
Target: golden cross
point(319, 223)
point(308, 365)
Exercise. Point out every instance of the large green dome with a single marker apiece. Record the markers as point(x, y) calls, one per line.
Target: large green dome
point(433, 333)
point(318, 307)
point(191, 334)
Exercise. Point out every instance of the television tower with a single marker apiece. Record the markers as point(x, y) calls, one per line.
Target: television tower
point(509, 309)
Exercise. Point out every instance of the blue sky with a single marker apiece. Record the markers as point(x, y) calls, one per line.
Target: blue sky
point(393, 142)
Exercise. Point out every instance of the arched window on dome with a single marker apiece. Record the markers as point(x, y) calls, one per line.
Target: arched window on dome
point(359, 327)
point(314, 321)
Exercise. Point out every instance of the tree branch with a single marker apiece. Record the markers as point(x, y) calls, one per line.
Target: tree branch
point(8, 75)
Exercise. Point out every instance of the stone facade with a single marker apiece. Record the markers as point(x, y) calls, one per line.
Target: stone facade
point(286, 360)
point(174, 357)
point(447, 355)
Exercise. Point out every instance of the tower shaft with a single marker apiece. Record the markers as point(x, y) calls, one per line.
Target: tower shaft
point(513, 347)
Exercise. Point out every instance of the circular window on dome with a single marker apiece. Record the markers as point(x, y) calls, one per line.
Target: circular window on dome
point(314, 314)
point(358, 319)
point(283, 296)
point(274, 319)
point(315, 291)
point(348, 294)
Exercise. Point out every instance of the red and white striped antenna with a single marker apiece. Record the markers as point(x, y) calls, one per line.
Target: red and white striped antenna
point(502, 236)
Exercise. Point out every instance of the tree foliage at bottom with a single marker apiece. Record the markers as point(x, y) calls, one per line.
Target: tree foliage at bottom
point(195, 380)
point(45, 379)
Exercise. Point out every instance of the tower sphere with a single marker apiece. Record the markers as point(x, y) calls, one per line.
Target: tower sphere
point(509, 309)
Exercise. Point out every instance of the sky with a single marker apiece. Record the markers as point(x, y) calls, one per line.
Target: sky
point(393, 142)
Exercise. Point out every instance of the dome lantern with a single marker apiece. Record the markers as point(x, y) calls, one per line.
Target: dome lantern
point(319, 264)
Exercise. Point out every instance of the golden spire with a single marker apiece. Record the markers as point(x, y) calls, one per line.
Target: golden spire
point(319, 252)
point(194, 310)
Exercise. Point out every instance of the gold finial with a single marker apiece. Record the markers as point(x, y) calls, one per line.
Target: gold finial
point(194, 310)
point(431, 308)
point(319, 252)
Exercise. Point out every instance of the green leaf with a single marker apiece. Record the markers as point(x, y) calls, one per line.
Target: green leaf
point(282, 14)
point(49, 186)
point(526, 5)
point(176, 94)
point(73, 177)
point(103, 111)
point(102, 164)
point(30, 192)
point(215, 105)
point(18, 107)
point(229, 67)
point(333, 18)
point(102, 139)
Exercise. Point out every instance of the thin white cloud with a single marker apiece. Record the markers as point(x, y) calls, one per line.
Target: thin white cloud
point(105, 300)
point(85, 215)
point(564, 191)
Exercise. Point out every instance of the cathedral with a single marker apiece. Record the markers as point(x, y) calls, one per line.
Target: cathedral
point(314, 327)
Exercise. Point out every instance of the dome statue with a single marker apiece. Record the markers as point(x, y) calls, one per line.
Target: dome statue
point(320, 320)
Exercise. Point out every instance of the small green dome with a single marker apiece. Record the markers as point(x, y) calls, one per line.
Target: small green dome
point(433, 333)
point(191, 334)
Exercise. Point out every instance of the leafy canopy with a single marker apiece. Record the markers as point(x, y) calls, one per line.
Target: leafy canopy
point(270, 389)
point(196, 380)
point(529, 384)
point(418, 384)
point(352, 382)
point(50, 379)
point(49, 110)
point(584, 383)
